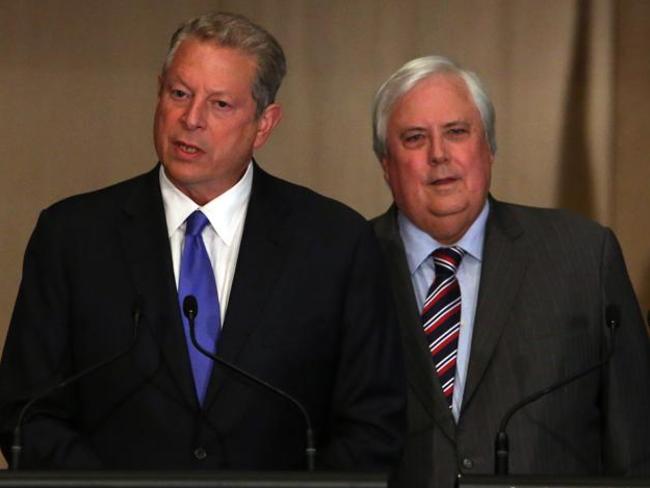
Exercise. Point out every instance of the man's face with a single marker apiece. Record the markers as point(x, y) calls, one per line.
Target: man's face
point(438, 161)
point(205, 128)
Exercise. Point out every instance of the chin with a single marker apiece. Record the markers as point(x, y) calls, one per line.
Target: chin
point(181, 172)
point(448, 208)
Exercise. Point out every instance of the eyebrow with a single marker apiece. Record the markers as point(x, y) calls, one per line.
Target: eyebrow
point(171, 79)
point(456, 122)
point(413, 128)
point(179, 79)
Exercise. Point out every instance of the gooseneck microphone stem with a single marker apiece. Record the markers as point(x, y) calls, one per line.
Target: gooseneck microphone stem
point(191, 310)
point(501, 444)
point(17, 446)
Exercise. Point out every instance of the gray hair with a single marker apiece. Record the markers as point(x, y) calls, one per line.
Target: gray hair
point(405, 79)
point(237, 32)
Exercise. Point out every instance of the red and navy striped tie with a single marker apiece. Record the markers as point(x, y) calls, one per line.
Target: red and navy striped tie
point(441, 316)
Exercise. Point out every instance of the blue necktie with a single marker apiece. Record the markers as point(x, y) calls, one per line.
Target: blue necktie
point(197, 278)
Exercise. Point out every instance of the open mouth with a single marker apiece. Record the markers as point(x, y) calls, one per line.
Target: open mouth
point(187, 148)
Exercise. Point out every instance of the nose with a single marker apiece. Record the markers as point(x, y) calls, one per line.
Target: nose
point(194, 116)
point(438, 150)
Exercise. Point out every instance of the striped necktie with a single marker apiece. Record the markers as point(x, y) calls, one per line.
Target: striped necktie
point(441, 316)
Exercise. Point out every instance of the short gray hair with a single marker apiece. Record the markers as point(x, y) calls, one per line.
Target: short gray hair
point(405, 79)
point(238, 32)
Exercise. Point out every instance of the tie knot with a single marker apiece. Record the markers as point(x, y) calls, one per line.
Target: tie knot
point(447, 259)
point(195, 223)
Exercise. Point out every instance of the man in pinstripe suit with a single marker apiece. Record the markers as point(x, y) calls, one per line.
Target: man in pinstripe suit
point(529, 286)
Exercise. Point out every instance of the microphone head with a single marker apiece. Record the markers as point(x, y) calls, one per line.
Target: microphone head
point(137, 310)
point(190, 307)
point(612, 316)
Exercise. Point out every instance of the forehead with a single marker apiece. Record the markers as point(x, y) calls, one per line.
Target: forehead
point(439, 98)
point(208, 60)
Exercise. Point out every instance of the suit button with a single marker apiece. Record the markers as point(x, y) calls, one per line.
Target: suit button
point(200, 453)
point(468, 463)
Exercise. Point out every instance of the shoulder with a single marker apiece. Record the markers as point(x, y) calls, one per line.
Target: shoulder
point(555, 238)
point(304, 204)
point(102, 205)
point(546, 224)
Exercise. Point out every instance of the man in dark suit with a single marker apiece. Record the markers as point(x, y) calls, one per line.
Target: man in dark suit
point(498, 301)
point(296, 280)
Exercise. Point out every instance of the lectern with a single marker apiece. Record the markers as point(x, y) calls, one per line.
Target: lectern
point(188, 479)
point(520, 481)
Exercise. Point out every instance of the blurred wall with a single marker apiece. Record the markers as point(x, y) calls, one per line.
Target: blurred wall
point(631, 149)
point(569, 79)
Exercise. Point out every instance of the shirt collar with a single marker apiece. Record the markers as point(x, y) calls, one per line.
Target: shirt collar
point(419, 245)
point(222, 212)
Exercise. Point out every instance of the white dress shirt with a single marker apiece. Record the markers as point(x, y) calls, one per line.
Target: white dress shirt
point(222, 237)
point(418, 246)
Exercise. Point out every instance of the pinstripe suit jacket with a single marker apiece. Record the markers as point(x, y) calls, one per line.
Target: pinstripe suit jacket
point(546, 279)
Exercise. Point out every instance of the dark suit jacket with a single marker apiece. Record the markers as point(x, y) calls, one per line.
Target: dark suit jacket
point(546, 279)
point(308, 312)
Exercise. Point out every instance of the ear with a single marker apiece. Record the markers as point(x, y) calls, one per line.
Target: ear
point(160, 85)
point(385, 163)
point(269, 119)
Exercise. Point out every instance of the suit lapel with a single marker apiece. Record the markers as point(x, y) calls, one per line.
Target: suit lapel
point(424, 383)
point(146, 248)
point(504, 266)
point(261, 259)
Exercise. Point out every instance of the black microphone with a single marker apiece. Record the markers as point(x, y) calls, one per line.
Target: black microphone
point(17, 445)
point(191, 310)
point(501, 448)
